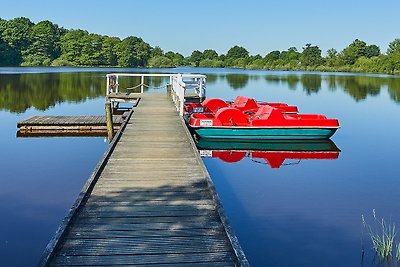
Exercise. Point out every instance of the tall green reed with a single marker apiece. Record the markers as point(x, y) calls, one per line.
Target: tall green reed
point(382, 235)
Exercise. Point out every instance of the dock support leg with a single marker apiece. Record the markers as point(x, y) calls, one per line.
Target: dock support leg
point(109, 119)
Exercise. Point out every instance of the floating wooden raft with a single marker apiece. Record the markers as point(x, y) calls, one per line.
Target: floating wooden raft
point(67, 124)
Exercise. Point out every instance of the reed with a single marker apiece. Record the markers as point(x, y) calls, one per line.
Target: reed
point(382, 235)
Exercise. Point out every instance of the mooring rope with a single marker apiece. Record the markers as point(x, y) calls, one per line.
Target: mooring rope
point(146, 85)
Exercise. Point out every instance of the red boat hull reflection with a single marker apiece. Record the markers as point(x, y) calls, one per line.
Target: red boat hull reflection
point(272, 153)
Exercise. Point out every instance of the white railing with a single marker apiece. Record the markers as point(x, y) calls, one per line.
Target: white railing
point(113, 84)
point(179, 83)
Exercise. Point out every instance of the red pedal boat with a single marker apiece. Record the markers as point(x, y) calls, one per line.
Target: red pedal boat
point(265, 121)
point(245, 104)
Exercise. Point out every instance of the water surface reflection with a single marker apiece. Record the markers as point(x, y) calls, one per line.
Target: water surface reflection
point(19, 92)
point(359, 87)
point(306, 214)
point(275, 153)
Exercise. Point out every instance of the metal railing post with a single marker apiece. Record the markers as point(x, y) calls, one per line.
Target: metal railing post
point(116, 84)
point(108, 86)
point(142, 84)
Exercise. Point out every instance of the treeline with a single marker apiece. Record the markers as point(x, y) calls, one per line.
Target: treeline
point(357, 57)
point(24, 43)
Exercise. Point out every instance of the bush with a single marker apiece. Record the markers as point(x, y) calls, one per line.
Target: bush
point(61, 63)
point(160, 62)
point(211, 63)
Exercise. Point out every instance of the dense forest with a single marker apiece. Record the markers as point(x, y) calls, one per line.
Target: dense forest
point(24, 43)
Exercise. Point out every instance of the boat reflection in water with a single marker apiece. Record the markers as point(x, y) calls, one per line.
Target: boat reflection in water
point(273, 153)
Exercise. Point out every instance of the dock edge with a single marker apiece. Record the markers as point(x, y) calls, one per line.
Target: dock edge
point(82, 197)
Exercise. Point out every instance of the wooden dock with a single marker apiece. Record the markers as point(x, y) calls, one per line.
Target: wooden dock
point(149, 202)
point(54, 125)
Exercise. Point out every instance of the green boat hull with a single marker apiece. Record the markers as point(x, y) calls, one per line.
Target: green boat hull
point(267, 145)
point(264, 133)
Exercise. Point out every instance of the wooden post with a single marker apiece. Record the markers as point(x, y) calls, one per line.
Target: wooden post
point(109, 120)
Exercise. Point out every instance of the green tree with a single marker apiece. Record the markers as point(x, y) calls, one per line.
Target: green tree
point(177, 59)
point(236, 57)
point(211, 63)
point(332, 58)
point(237, 52)
point(196, 57)
point(273, 56)
point(393, 57)
point(354, 51)
point(91, 53)
point(369, 65)
point(143, 51)
point(394, 47)
point(311, 55)
point(133, 52)
point(8, 55)
point(256, 64)
point(289, 59)
point(71, 46)
point(290, 55)
point(160, 62)
point(239, 63)
point(157, 51)
point(271, 59)
point(108, 50)
point(16, 33)
point(45, 44)
point(332, 52)
point(372, 51)
point(210, 54)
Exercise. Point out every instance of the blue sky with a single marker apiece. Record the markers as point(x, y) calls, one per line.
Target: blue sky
point(260, 26)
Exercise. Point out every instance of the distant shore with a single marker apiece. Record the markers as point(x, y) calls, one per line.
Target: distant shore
point(24, 43)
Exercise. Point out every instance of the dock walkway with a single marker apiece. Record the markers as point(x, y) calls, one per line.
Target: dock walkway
point(150, 204)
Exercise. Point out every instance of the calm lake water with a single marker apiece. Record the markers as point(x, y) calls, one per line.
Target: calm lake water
point(299, 207)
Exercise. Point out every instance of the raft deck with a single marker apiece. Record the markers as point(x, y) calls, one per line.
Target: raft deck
point(150, 201)
point(53, 125)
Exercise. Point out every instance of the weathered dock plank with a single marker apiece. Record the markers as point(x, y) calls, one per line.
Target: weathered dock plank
point(68, 121)
point(39, 126)
point(150, 203)
point(175, 259)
